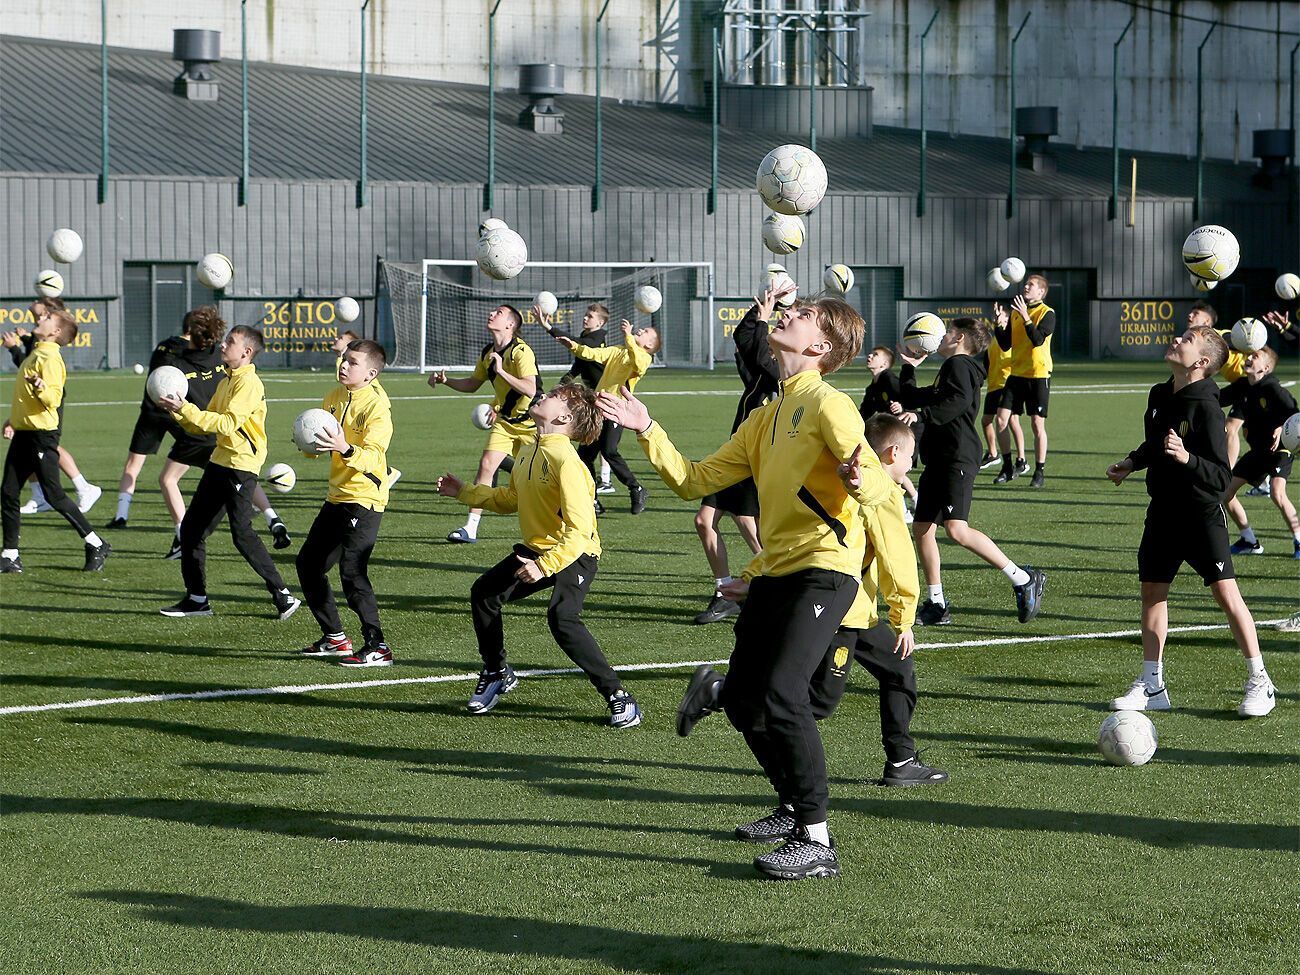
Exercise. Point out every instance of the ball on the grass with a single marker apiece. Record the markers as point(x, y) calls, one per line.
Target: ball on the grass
point(1127, 738)
point(138, 369)
point(481, 416)
point(1291, 432)
point(308, 425)
point(782, 233)
point(281, 477)
point(501, 254)
point(1013, 269)
point(648, 299)
point(49, 284)
point(923, 332)
point(1287, 287)
point(1211, 252)
point(491, 224)
point(1248, 334)
point(347, 309)
point(838, 278)
point(546, 303)
point(791, 179)
point(1200, 284)
point(166, 381)
point(64, 245)
point(214, 271)
point(997, 283)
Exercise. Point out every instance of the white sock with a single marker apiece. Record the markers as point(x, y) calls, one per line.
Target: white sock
point(178, 531)
point(1153, 674)
point(38, 492)
point(819, 833)
point(1017, 575)
point(93, 539)
point(270, 515)
point(124, 504)
point(721, 581)
point(936, 596)
point(81, 484)
point(9, 553)
point(604, 471)
point(1296, 536)
point(471, 523)
point(337, 637)
point(1248, 534)
point(1255, 666)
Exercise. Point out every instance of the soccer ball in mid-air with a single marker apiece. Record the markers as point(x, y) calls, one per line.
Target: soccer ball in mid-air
point(776, 278)
point(214, 271)
point(996, 281)
point(782, 233)
point(648, 299)
point(138, 369)
point(501, 253)
point(1287, 287)
point(546, 302)
point(838, 279)
point(791, 179)
point(481, 416)
point(347, 309)
point(281, 477)
point(923, 332)
point(1291, 432)
point(1127, 738)
point(1013, 269)
point(491, 224)
point(1200, 284)
point(166, 381)
point(1248, 335)
point(308, 425)
point(49, 284)
point(64, 245)
point(1211, 252)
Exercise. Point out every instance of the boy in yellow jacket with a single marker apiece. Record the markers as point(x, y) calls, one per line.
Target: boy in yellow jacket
point(34, 447)
point(813, 545)
point(552, 490)
point(237, 415)
point(347, 527)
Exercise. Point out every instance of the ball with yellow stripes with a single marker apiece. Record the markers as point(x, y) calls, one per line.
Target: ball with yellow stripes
point(281, 477)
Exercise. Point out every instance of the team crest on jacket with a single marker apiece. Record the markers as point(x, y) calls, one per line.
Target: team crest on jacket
point(546, 469)
point(1184, 428)
point(794, 422)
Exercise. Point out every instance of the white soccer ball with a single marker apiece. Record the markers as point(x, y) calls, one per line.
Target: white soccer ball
point(1200, 284)
point(923, 332)
point(1127, 738)
point(281, 477)
point(776, 278)
point(49, 284)
point(491, 224)
point(647, 299)
point(138, 369)
point(997, 283)
point(838, 279)
point(1248, 335)
point(546, 302)
point(64, 245)
point(1211, 252)
point(1013, 269)
point(166, 381)
point(481, 416)
point(782, 233)
point(214, 271)
point(791, 179)
point(1291, 432)
point(308, 425)
point(501, 253)
point(1287, 287)
point(347, 309)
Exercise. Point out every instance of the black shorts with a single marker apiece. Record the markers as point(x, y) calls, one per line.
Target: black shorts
point(994, 400)
point(1197, 537)
point(739, 499)
point(944, 492)
point(1022, 395)
point(150, 429)
point(1256, 465)
point(192, 451)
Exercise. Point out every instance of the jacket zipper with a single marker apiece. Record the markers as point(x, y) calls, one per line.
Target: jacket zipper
point(533, 459)
point(777, 415)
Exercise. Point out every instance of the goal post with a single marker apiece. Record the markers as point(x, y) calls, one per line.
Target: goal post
point(436, 310)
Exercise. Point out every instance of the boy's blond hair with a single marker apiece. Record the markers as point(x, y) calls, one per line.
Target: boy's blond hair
point(587, 422)
point(600, 311)
point(1269, 356)
point(658, 342)
point(67, 324)
point(884, 430)
point(1212, 346)
point(843, 327)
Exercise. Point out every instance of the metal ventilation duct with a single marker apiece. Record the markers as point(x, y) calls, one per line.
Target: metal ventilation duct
point(198, 50)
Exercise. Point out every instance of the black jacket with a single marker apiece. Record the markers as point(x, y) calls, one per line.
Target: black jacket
point(586, 371)
point(884, 389)
point(949, 410)
point(756, 365)
point(1264, 407)
point(1194, 413)
point(202, 367)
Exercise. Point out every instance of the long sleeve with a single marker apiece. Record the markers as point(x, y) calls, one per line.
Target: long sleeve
point(370, 455)
point(1038, 334)
point(243, 403)
point(1210, 469)
point(944, 402)
point(1140, 456)
point(1002, 335)
point(726, 466)
point(750, 338)
point(841, 428)
point(579, 516)
point(55, 375)
point(502, 500)
point(601, 354)
point(899, 582)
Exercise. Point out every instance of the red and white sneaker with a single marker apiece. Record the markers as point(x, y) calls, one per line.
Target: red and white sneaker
point(329, 646)
point(377, 656)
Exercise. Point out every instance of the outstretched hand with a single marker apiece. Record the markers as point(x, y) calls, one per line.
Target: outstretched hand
point(767, 301)
point(905, 644)
point(170, 403)
point(543, 319)
point(565, 341)
point(906, 354)
point(736, 590)
point(450, 486)
point(1119, 470)
point(625, 410)
point(851, 470)
point(437, 377)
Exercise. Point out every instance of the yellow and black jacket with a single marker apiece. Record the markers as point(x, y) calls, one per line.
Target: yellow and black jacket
point(1030, 343)
point(237, 415)
point(888, 569)
point(518, 359)
point(34, 409)
point(1234, 367)
point(366, 416)
point(624, 364)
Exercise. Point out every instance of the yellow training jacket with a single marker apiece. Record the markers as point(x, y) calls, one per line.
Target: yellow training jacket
point(792, 447)
point(999, 367)
point(39, 410)
point(517, 358)
point(367, 420)
point(624, 365)
point(889, 568)
point(237, 415)
point(1234, 367)
point(1029, 360)
point(553, 492)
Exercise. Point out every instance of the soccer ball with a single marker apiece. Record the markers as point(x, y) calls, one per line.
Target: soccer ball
point(214, 271)
point(308, 425)
point(491, 224)
point(1291, 432)
point(501, 253)
point(1211, 252)
point(49, 284)
point(1013, 269)
point(1248, 335)
point(997, 283)
point(1200, 284)
point(546, 302)
point(281, 477)
point(791, 179)
point(1127, 738)
point(481, 416)
point(783, 234)
point(648, 299)
point(166, 381)
point(923, 332)
point(838, 278)
point(1287, 287)
point(347, 309)
point(138, 369)
point(64, 245)
point(776, 278)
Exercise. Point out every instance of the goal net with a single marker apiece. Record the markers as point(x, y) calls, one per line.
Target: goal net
point(437, 310)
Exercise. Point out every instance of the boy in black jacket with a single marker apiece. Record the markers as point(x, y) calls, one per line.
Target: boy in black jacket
point(951, 453)
point(1185, 455)
point(883, 390)
point(586, 371)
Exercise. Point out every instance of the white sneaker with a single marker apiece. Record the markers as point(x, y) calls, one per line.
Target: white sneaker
point(605, 488)
point(1291, 624)
point(394, 475)
point(86, 499)
point(1260, 697)
point(1142, 698)
point(34, 507)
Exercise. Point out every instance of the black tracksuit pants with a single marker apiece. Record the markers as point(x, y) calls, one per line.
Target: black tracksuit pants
point(344, 535)
point(223, 492)
point(781, 638)
point(498, 586)
point(607, 444)
point(35, 452)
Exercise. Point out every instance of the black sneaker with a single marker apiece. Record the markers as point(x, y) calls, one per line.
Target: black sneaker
point(798, 859)
point(286, 604)
point(116, 523)
point(1029, 597)
point(988, 460)
point(1006, 475)
point(772, 828)
point(96, 556)
point(639, 495)
point(280, 534)
point(600, 508)
point(623, 710)
point(912, 772)
point(1021, 466)
point(931, 613)
point(11, 565)
point(491, 685)
point(720, 608)
point(174, 552)
point(188, 607)
point(1038, 478)
point(700, 699)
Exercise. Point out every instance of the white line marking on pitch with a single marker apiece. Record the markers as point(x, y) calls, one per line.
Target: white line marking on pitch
point(455, 678)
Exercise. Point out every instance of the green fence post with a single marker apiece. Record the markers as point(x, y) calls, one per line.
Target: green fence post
point(1011, 90)
point(713, 126)
point(243, 109)
point(103, 100)
point(361, 180)
point(1200, 127)
point(920, 196)
point(598, 187)
point(1113, 209)
point(492, 108)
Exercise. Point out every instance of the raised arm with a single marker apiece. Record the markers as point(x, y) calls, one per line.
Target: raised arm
point(243, 403)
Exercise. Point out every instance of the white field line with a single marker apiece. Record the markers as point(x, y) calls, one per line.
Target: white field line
point(456, 678)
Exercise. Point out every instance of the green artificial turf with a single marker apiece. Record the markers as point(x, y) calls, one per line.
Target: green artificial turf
point(381, 829)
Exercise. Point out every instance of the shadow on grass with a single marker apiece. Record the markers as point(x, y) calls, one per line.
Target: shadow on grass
point(1035, 748)
point(619, 950)
point(244, 768)
point(132, 646)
